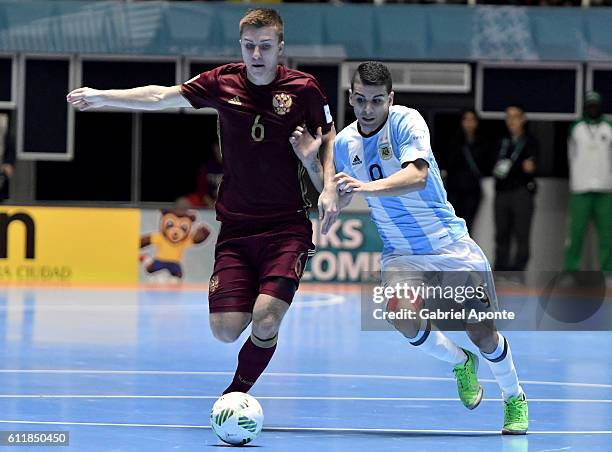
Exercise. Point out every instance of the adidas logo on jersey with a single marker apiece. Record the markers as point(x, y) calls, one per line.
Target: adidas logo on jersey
point(234, 101)
point(357, 160)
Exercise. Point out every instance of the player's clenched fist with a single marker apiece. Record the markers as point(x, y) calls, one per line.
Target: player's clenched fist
point(348, 184)
point(85, 98)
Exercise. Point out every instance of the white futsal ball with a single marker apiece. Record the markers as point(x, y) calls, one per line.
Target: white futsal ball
point(236, 418)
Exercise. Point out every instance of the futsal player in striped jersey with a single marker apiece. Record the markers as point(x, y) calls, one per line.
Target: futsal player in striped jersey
point(385, 156)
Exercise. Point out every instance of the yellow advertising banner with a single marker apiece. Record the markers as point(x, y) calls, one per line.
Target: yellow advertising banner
point(69, 245)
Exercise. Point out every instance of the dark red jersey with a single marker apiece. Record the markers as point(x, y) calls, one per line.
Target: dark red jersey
point(262, 177)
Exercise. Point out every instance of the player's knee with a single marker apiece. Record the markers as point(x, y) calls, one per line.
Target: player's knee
point(266, 326)
point(224, 334)
point(227, 329)
point(483, 336)
point(408, 328)
point(402, 314)
point(266, 323)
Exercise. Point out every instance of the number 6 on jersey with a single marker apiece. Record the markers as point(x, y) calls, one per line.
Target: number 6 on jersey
point(257, 131)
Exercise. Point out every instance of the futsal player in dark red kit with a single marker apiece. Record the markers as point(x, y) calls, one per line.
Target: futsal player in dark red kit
point(273, 122)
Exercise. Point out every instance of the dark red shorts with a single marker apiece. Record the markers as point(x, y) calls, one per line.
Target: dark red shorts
point(249, 258)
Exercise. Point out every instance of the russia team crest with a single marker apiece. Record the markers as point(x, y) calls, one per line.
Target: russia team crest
point(213, 285)
point(282, 103)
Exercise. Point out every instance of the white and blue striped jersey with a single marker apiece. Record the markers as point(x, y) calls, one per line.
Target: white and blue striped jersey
point(413, 223)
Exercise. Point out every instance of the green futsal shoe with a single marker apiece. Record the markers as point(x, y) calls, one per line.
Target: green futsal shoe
point(516, 415)
point(470, 391)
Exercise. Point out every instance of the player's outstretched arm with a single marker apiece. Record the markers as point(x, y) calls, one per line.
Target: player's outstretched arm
point(411, 178)
point(151, 97)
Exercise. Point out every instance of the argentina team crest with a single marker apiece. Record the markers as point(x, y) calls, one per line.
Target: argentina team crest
point(385, 151)
point(282, 103)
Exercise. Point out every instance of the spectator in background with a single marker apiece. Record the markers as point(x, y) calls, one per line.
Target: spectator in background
point(464, 165)
point(7, 156)
point(590, 164)
point(515, 188)
point(207, 184)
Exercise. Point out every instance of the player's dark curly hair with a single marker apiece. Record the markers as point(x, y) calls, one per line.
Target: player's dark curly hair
point(373, 73)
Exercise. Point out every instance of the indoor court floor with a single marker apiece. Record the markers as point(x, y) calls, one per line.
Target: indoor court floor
point(137, 369)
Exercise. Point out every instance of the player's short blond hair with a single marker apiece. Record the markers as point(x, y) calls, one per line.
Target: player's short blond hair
point(263, 17)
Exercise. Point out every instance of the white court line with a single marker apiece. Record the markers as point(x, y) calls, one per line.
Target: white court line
point(313, 301)
point(316, 301)
point(314, 429)
point(320, 398)
point(287, 374)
